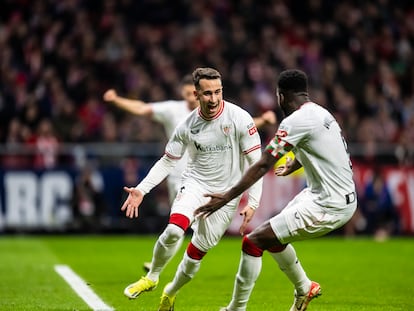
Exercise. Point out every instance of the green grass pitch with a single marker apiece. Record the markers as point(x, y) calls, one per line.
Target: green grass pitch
point(355, 274)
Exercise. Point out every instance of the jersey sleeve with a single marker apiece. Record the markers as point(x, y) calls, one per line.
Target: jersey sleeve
point(161, 110)
point(177, 143)
point(249, 136)
point(161, 169)
point(292, 130)
point(251, 147)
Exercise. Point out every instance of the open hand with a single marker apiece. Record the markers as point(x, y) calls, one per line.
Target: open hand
point(284, 169)
point(132, 202)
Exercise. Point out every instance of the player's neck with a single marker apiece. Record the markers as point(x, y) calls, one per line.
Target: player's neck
point(301, 98)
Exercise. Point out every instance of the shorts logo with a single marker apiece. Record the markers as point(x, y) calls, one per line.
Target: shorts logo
point(180, 193)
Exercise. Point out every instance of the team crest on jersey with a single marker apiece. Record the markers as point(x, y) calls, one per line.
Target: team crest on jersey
point(226, 129)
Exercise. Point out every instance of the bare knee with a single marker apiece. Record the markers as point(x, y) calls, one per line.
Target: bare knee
point(264, 238)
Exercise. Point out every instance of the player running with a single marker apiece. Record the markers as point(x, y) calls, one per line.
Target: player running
point(328, 202)
point(219, 137)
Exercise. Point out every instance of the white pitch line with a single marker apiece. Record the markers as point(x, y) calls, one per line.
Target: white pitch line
point(80, 287)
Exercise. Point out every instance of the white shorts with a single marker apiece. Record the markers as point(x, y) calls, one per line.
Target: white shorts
point(174, 183)
point(207, 232)
point(303, 219)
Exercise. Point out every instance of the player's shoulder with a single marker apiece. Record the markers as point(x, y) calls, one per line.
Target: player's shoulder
point(231, 106)
point(309, 116)
point(235, 109)
point(240, 118)
point(306, 111)
point(191, 117)
point(170, 109)
point(312, 107)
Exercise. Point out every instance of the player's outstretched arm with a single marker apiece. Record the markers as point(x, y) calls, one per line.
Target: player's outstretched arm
point(217, 201)
point(137, 107)
point(159, 171)
point(132, 202)
point(252, 175)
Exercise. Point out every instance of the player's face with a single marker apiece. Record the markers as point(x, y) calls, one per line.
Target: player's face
point(210, 96)
point(187, 93)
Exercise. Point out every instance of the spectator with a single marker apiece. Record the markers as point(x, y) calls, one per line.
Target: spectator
point(92, 115)
point(46, 146)
point(377, 208)
point(14, 138)
point(88, 204)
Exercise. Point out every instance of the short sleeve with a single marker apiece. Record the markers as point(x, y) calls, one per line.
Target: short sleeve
point(250, 138)
point(295, 128)
point(161, 110)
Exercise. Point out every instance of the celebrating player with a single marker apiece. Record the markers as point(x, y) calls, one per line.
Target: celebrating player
point(219, 137)
point(328, 202)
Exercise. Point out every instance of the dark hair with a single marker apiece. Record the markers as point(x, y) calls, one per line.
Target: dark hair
point(205, 73)
point(293, 80)
point(187, 79)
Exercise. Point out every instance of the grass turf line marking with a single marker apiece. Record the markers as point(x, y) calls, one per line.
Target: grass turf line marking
point(83, 290)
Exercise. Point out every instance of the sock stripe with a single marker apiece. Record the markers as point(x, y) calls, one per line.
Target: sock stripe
point(180, 220)
point(250, 248)
point(194, 253)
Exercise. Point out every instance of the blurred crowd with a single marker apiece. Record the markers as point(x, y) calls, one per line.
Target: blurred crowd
point(57, 57)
